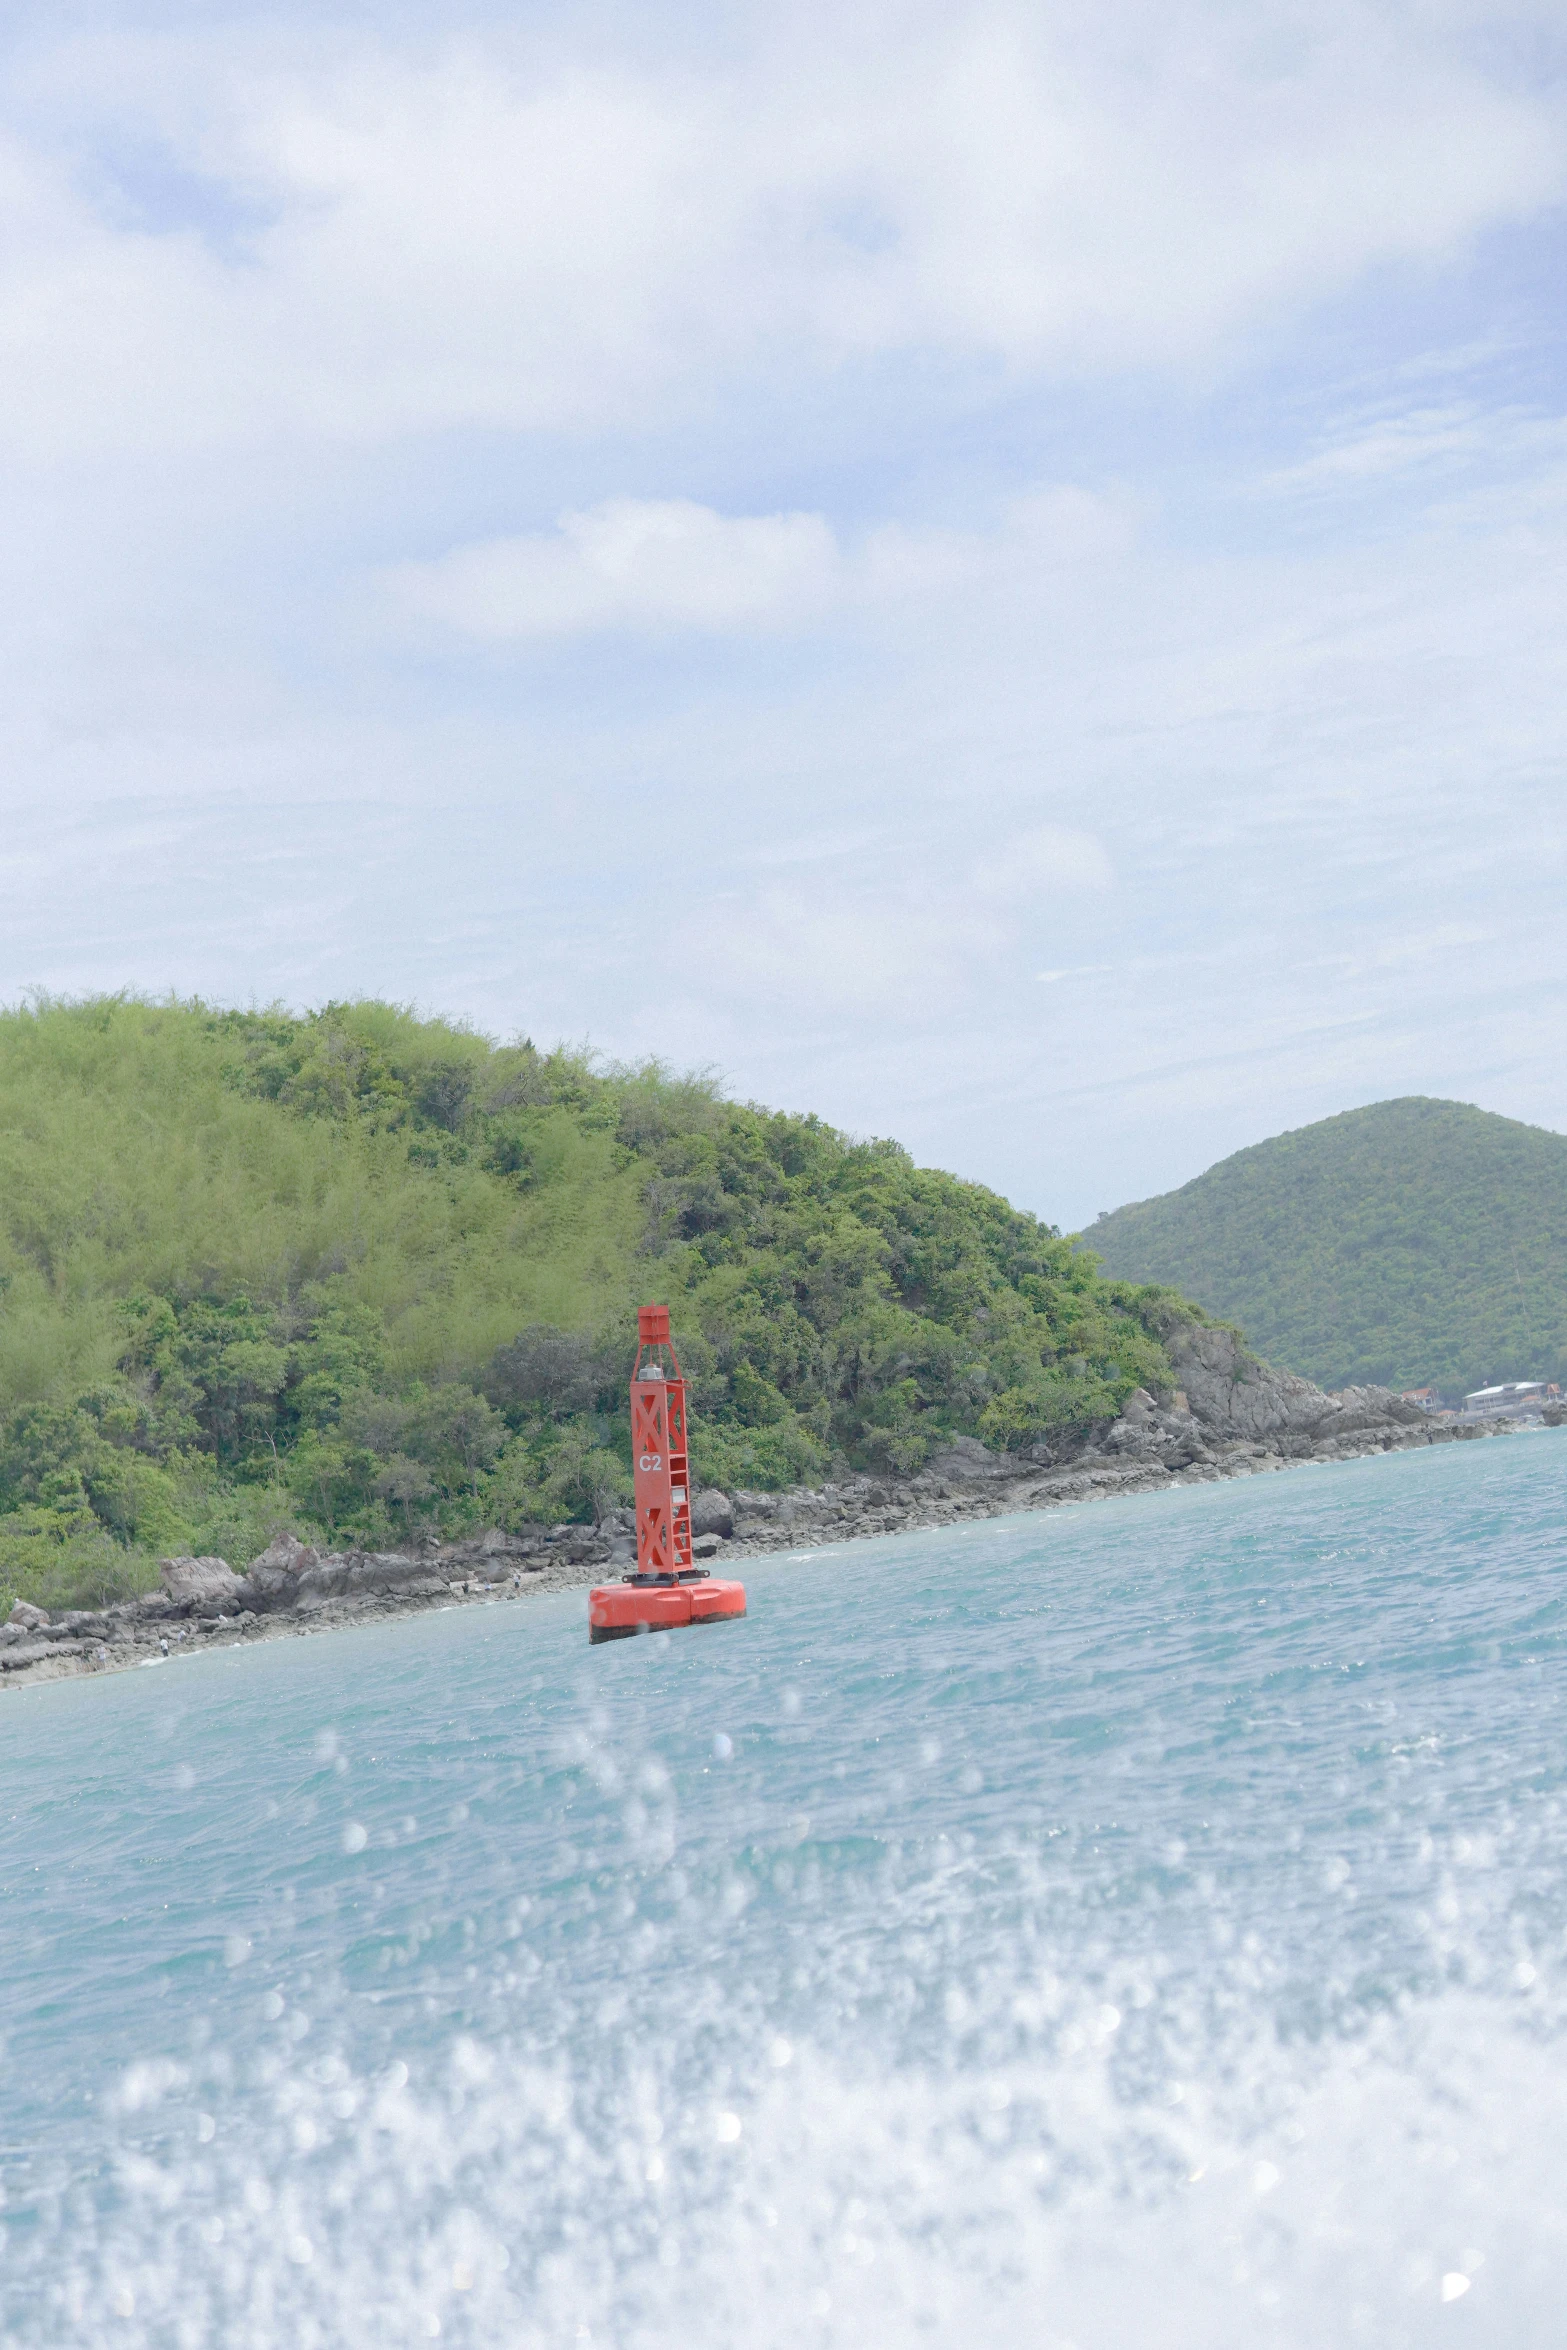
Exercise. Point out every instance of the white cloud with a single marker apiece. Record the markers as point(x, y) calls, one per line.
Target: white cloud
point(788, 327)
point(662, 566)
point(1044, 860)
point(909, 930)
point(490, 233)
point(639, 564)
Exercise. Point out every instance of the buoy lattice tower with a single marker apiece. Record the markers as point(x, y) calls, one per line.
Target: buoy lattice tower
point(660, 1460)
point(666, 1590)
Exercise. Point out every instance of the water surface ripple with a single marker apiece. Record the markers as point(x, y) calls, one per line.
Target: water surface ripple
point(1132, 1928)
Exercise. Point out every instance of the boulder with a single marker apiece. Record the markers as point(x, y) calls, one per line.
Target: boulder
point(272, 1580)
point(1167, 1440)
point(964, 1457)
point(712, 1512)
point(28, 1617)
point(1232, 1395)
point(706, 1546)
point(205, 1584)
point(493, 1546)
point(367, 1574)
point(1367, 1411)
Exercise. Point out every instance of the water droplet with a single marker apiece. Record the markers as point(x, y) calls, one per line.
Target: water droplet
point(727, 2128)
point(781, 2053)
point(1266, 2177)
point(1454, 2285)
point(355, 1837)
point(723, 1747)
point(236, 1949)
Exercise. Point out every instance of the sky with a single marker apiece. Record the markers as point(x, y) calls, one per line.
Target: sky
point(994, 572)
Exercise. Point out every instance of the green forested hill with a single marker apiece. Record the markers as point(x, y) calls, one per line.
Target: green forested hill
point(361, 1273)
point(1416, 1242)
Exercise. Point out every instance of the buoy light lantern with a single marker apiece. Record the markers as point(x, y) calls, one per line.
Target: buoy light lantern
point(666, 1591)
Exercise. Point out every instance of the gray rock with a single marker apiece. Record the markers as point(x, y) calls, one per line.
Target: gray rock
point(965, 1458)
point(207, 1585)
point(1231, 1392)
point(27, 1617)
point(1233, 1395)
point(706, 1546)
point(712, 1512)
point(492, 1547)
point(1370, 1410)
point(360, 1574)
point(1167, 1440)
point(272, 1580)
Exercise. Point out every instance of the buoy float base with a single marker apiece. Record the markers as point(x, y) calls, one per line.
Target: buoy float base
point(661, 1603)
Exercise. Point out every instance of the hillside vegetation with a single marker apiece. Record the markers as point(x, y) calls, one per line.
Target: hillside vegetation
point(1413, 1243)
point(367, 1275)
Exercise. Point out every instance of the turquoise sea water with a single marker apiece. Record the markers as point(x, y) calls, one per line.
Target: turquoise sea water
point(1134, 1927)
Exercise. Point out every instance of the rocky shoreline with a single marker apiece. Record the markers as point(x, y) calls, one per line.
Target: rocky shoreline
point(1231, 1417)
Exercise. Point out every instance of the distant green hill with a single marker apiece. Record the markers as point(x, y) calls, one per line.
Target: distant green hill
point(1416, 1242)
point(368, 1274)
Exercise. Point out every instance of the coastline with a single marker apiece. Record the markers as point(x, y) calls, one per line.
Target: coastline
point(299, 1592)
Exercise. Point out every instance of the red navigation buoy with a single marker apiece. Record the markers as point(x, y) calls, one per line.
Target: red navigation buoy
point(667, 1590)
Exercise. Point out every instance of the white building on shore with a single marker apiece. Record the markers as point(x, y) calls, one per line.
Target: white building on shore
point(1511, 1395)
